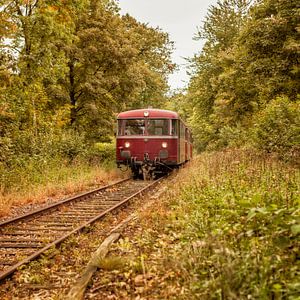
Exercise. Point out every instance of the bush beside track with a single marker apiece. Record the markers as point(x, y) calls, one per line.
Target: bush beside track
point(34, 169)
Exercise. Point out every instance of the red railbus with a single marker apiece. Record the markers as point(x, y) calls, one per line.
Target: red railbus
point(152, 141)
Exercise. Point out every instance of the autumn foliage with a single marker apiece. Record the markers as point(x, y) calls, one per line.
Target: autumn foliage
point(66, 69)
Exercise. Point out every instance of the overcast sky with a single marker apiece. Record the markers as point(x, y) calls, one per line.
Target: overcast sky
point(180, 18)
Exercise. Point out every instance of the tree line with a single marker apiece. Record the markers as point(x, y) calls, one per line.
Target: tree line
point(66, 69)
point(75, 63)
point(245, 83)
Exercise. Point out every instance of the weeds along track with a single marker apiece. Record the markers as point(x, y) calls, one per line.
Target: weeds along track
point(24, 238)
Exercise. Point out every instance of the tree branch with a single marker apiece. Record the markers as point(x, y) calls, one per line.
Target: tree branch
point(19, 10)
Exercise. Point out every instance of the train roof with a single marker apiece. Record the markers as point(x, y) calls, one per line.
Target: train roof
point(153, 113)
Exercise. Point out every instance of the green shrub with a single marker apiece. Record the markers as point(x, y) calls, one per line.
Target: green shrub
point(209, 135)
point(229, 136)
point(5, 148)
point(70, 145)
point(103, 153)
point(203, 133)
point(32, 155)
point(277, 128)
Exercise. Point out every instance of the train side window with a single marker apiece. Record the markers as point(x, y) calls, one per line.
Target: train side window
point(120, 127)
point(158, 131)
point(174, 130)
point(182, 131)
point(186, 134)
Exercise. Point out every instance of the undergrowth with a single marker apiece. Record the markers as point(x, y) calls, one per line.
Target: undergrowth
point(35, 168)
point(229, 230)
point(53, 180)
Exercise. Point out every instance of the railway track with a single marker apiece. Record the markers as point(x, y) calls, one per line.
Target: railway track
point(26, 237)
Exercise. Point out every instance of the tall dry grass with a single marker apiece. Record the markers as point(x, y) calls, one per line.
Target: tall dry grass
point(56, 183)
point(228, 228)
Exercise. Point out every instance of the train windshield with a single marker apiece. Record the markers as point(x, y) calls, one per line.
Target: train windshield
point(158, 127)
point(132, 127)
point(144, 127)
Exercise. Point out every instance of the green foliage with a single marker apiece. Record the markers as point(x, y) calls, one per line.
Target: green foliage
point(102, 152)
point(230, 136)
point(250, 57)
point(69, 145)
point(87, 62)
point(241, 222)
point(68, 69)
point(230, 230)
point(178, 102)
point(203, 132)
point(277, 127)
point(25, 159)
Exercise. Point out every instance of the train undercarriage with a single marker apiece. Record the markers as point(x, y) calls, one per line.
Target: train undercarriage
point(149, 169)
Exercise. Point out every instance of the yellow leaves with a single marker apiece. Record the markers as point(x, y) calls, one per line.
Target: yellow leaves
point(61, 117)
point(292, 45)
point(7, 27)
point(5, 113)
point(27, 2)
point(53, 8)
point(139, 280)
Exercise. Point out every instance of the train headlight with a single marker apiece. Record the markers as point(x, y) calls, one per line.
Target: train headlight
point(164, 144)
point(127, 144)
point(146, 113)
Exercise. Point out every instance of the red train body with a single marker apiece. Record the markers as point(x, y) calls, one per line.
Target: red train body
point(152, 141)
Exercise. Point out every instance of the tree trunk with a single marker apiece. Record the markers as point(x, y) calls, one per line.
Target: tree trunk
point(72, 92)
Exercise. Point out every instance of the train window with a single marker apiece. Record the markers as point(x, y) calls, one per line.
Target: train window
point(120, 127)
point(158, 127)
point(182, 131)
point(186, 134)
point(134, 127)
point(121, 124)
point(174, 130)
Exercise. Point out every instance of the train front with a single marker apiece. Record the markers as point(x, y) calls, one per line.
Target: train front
point(147, 141)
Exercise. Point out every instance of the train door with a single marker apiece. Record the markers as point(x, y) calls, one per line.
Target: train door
point(186, 145)
point(191, 146)
point(181, 143)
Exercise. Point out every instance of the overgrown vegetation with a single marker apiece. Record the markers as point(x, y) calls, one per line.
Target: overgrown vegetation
point(66, 69)
point(38, 182)
point(229, 226)
point(238, 221)
point(33, 163)
point(245, 82)
point(228, 230)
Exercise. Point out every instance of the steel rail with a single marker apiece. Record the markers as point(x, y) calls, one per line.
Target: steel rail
point(36, 254)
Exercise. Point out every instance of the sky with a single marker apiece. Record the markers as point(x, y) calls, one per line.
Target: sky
point(180, 18)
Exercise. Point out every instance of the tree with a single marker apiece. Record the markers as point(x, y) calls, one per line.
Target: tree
point(251, 56)
point(271, 44)
point(151, 65)
point(209, 69)
point(85, 64)
point(113, 63)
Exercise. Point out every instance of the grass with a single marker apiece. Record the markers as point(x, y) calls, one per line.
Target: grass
point(52, 181)
point(228, 228)
point(238, 221)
